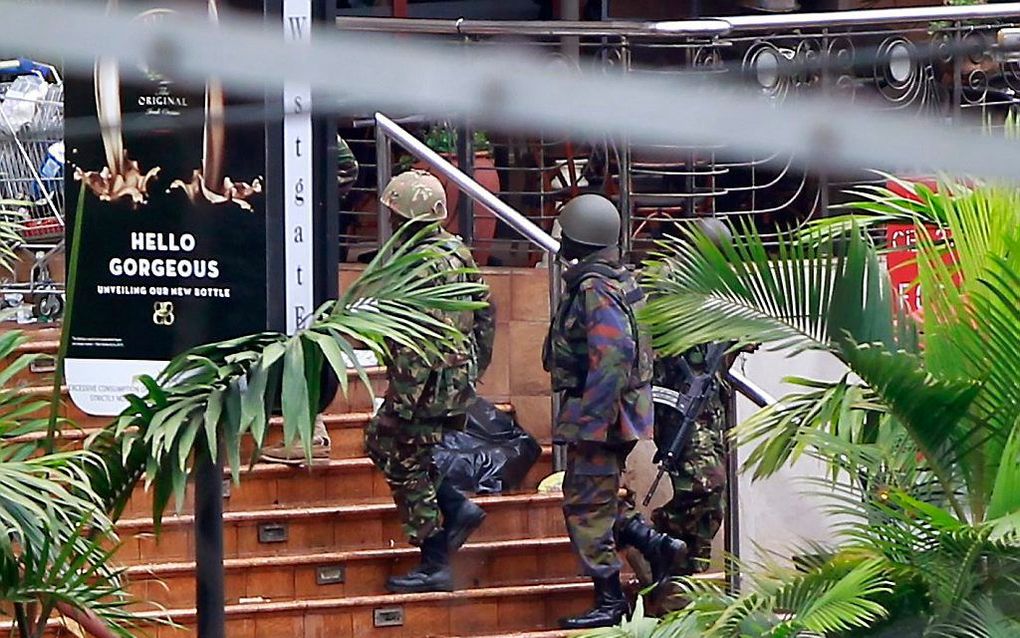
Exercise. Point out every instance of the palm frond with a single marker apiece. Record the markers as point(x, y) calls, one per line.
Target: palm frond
point(980, 619)
point(209, 398)
point(811, 294)
point(73, 570)
point(825, 602)
point(41, 495)
point(873, 206)
point(784, 431)
point(11, 228)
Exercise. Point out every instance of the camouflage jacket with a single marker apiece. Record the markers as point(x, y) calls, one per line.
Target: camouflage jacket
point(346, 168)
point(597, 356)
point(421, 389)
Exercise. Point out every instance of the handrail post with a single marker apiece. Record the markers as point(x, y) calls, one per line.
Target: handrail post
point(570, 46)
point(555, 292)
point(957, 105)
point(383, 173)
point(466, 163)
point(625, 170)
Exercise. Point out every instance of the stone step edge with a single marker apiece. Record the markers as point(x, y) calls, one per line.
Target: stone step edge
point(327, 604)
point(166, 569)
point(352, 510)
point(560, 586)
point(324, 466)
point(373, 373)
point(551, 633)
point(347, 419)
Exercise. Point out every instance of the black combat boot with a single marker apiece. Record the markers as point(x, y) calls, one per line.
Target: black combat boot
point(461, 516)
point(662, 552)
point(610, 606)
point(433, 574)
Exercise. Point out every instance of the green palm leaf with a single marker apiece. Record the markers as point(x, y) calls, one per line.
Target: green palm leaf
point(811, 294)
point(208, 398)
point(781, 433)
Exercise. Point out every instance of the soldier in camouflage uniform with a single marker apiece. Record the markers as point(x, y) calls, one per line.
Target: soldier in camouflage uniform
point(602, 363)
point(695, 512)
point(426, 398)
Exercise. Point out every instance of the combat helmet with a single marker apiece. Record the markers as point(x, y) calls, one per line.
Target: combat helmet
point(591, 220)
point(416, 195)
point(714, 229)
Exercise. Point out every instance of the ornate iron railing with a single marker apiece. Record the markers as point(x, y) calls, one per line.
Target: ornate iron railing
point(935, 61)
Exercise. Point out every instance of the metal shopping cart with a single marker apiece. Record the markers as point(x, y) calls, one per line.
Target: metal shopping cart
point(32, 181)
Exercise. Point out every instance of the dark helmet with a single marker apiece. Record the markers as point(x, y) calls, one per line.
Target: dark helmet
point(713, 228)
point(591, 220)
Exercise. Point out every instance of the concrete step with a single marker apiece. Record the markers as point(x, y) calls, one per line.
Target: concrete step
point(332, 528)
point(357, 573)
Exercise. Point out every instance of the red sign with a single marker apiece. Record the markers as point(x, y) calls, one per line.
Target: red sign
point(902, 262)
point(902, 239)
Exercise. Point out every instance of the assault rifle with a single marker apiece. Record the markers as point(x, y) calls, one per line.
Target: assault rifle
point(690, 404)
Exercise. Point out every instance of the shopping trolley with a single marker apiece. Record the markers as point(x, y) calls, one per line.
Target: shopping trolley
point(32, 180)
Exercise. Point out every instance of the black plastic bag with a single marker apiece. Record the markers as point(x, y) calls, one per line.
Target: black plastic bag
point(491, 455)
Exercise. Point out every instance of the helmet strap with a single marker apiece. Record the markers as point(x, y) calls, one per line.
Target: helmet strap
point(571, 249)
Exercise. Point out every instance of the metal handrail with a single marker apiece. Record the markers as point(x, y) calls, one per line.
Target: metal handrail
point(706, 27)
point(872, 17)
point(471, 188)
point(386, 130)
point(552, 28)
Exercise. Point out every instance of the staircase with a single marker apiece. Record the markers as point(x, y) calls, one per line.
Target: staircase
point(308, 550)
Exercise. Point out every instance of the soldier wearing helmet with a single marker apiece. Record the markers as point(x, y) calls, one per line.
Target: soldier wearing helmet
point(423, 399)
point(695, 512)
point(602, 362)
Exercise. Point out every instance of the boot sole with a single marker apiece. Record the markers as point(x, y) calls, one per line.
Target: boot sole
point(566, 623)
point(318, 458)
point(456, 542)
point(418, 590)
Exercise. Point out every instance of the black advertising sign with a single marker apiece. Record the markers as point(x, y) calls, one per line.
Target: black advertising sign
point(174, 221)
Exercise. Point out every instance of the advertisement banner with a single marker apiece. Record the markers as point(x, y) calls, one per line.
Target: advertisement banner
point(173, 236)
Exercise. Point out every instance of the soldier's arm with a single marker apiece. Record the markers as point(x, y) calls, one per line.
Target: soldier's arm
point(611, 352)
point(346, 168)
point(484, 331)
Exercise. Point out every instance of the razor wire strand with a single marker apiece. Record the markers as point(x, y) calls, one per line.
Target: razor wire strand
point(504, 88)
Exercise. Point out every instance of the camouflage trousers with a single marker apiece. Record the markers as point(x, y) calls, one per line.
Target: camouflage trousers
point(695, 513)
point(402, 450)
point(592, 506)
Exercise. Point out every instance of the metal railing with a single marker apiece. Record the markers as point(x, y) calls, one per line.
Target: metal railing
point(926, 60)
point(386, 130)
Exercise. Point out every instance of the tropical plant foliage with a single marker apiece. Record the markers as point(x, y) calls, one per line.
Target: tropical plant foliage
point(921, 436)
point(56, 539)
point(57, 507)
point(210, 398)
